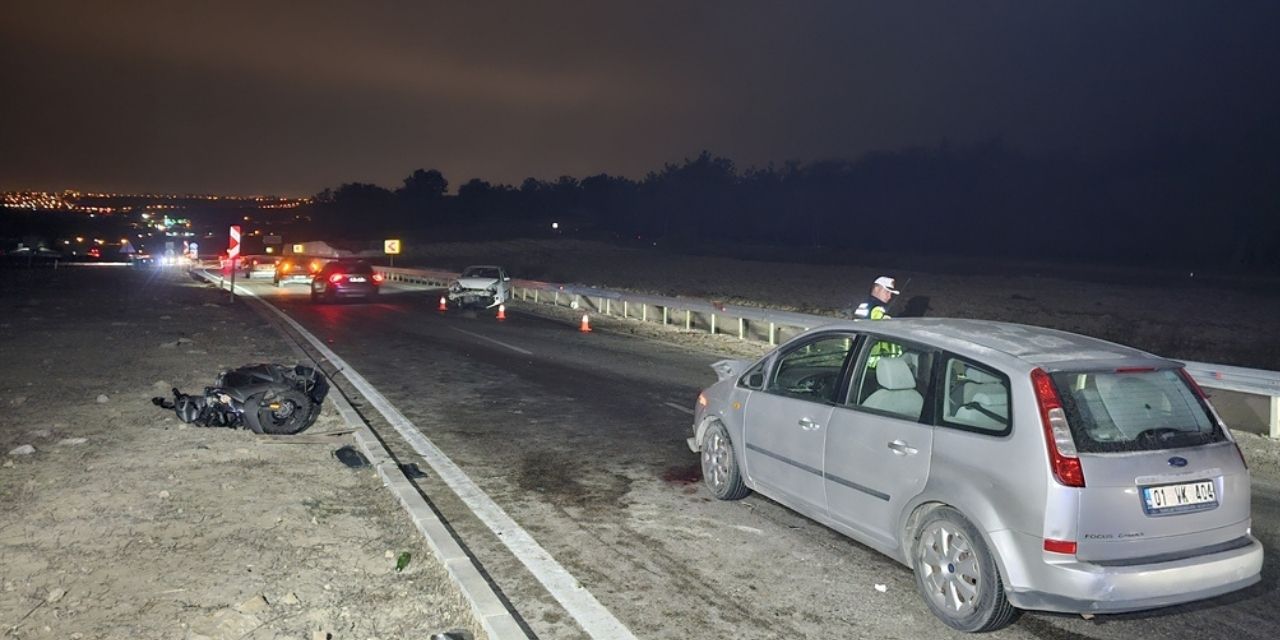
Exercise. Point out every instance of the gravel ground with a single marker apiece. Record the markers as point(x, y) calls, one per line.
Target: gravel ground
point(125, 523)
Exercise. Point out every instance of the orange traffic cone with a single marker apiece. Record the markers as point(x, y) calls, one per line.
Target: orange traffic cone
point(502, 312)
point(586, 324)
point(444, 305)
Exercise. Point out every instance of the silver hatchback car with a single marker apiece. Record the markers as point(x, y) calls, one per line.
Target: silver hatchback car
point(1011, 467)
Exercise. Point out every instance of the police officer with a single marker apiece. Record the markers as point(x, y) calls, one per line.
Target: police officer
point(873, 308)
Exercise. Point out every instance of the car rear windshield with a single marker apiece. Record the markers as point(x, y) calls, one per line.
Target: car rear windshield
point(1143, 410)
point(355, 267)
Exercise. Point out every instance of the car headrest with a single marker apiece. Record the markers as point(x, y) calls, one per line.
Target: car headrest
point(979, 376)
point(894, 374)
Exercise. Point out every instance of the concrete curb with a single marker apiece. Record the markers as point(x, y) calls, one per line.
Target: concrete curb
point(492, 614)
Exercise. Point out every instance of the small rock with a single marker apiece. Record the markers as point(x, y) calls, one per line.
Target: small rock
point(7, 463)
point(67, 442)
point(255, 604)
point(882, 588)
point(17, 400)
point(163, 495)
point(39, 433)
point(24, 450)
point(55, 595)
point(389, 554)
point(455, 634)
point(103, 399)
point(291, 598)
point(182, 341)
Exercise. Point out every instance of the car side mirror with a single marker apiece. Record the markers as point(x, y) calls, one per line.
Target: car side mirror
point(506, 278)
point(756, 380)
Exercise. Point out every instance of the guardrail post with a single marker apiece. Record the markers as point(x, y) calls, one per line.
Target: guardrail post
point(605, 304)
point(742, 328)
point(688, 320)
point(1274, 419)
point(557, 300)
point(713, 324)
point(644, 313)
point(773, 336)
point(664, 316)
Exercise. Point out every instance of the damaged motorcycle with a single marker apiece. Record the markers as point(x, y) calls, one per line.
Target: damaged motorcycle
point(264, 398)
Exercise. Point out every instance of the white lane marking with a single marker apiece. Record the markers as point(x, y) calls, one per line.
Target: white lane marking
point(679, 407)
point(592, 616)
point(497, 342)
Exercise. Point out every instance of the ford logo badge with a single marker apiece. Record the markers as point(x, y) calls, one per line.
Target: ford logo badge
point(1177, 461)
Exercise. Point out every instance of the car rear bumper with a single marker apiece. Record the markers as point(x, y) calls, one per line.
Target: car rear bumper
point(351, 291)
point(1085, 587)
point(294, 278)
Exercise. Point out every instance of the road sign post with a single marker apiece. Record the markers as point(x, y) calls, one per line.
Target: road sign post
point(233, 252)
point(391, 247)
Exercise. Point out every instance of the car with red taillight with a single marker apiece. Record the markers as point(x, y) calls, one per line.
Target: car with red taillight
point(345, 280)
point(298, 268)
point(1011, 467)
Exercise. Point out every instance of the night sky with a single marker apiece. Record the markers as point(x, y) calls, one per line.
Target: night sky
point(235, 97)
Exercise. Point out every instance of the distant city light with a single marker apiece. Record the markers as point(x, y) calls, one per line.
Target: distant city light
point(555, 225)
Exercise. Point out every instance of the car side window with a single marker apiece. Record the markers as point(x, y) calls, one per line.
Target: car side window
point(975, 397)
point(754, 377)
point(811, 371)
point(892, 378)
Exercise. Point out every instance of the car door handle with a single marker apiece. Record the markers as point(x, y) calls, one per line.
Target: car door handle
point(809, 425)
point(903, 449)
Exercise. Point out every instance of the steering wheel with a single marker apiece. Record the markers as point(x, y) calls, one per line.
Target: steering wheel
point(813, 384)
point(1158, 434)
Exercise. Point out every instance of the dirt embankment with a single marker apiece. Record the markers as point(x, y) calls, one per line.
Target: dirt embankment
point(126, 523)
point(1227, 320)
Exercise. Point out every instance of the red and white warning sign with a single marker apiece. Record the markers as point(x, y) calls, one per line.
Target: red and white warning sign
point(233, 249)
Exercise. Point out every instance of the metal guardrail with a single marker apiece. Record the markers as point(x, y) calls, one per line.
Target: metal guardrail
point(754, 323)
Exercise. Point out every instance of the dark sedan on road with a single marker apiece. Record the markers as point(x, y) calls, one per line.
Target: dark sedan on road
point(342, 279)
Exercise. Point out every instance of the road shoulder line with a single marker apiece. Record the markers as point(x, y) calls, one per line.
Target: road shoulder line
point(590, 614)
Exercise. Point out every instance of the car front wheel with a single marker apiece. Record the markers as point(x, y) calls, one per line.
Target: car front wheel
point(957, 575)
point(720, 470)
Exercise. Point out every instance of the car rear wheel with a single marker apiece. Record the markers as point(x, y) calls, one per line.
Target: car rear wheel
point(720, 465)
point(957, 576)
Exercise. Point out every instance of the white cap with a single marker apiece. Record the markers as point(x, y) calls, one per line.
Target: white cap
point(887, 283)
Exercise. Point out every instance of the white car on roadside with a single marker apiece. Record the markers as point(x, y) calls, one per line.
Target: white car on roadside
point(480, 285)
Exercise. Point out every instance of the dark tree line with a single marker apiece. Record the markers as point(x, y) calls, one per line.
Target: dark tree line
point(1162, 203)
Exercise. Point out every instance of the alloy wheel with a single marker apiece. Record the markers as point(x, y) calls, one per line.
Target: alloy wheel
point(950, 570)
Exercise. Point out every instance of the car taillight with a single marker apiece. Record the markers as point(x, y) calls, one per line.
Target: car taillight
point(1060, 546)
point(1057, 433)
point(336, 278)
point(377, 277)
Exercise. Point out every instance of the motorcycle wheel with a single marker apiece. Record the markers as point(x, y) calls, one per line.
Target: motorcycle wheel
point(284, 412)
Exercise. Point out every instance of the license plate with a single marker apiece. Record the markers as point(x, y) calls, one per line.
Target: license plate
point(1179, 498)
point(357, 278)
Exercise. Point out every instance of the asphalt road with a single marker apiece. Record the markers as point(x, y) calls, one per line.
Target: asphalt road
point(580, 438)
